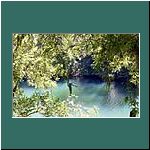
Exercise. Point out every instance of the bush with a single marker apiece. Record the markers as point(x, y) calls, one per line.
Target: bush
point(133, 104)
point(24, 106)
point(44, 104)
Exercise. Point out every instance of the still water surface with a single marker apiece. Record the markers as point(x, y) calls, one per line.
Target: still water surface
point(92, 92)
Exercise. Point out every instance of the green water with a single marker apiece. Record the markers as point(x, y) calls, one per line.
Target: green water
point(90, 93)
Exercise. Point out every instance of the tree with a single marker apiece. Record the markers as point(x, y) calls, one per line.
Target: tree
point(43, 58)
point(116, 51)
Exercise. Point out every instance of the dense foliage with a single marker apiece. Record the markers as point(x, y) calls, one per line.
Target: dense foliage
point(118, 51)
point(42, 59)
point(44, 104)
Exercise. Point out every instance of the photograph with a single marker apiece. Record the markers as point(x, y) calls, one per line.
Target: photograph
point(75, 75)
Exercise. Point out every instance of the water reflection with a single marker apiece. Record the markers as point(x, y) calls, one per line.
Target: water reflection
point(93, 92)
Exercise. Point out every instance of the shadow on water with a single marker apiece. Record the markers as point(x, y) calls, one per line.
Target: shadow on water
point(92, 92)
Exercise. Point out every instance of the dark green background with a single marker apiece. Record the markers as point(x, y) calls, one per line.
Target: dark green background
point(74, 17)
